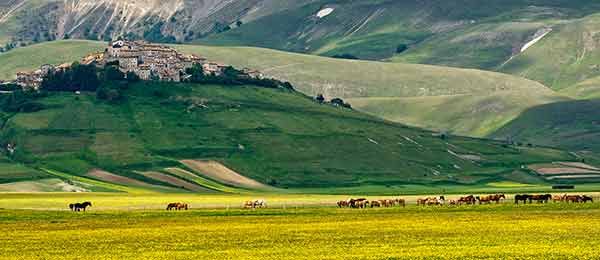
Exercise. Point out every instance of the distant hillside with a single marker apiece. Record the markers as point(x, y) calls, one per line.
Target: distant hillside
point(468, 102)
point(572, 125)
point(276, 137)
point(565, 57)
point(465, 33)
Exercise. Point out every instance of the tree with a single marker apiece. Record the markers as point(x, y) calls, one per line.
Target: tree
point(401, 48)
point(132, 77)
point(112, 73)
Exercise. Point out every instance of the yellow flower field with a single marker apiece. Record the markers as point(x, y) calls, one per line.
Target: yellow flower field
point(550, 231)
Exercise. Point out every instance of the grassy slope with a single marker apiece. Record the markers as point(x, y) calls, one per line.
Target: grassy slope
point(447, 233)
point(273, 136)
point(455, 33)
point(573, 125)
point(31, 57)
point(565, 57)
point(356, 79)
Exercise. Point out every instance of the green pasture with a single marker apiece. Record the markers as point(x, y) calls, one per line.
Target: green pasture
point(548, 231)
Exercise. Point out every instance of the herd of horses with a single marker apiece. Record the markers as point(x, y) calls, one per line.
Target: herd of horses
point(252, 204)
point(360, 203)
point(364, 203)
point(465, 200)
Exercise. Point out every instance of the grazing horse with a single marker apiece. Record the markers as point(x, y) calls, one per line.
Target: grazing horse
point(361, 204)
point(353, 203)
point(559, 198)
point(452, 203)
point(586, 198)
point(248, 204)
point(523, 198)
point(375, 203)
point(572, 198)
point(540, 198)
point(422, 201)
point(401, 202)
point(484, 199)
point(467, 200)
point(174, 206)
point(343, 203)
point(260, 203)
point(387, 203)
point(80, 206)
point(497, 198)
point(182, 206)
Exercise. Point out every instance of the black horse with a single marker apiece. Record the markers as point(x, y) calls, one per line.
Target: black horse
point(80, 206)
point(586, 198)
point(522, 197)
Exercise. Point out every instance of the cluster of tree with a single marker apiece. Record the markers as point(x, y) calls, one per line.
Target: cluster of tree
point(232, 77)
point(346, 56)
point(114, 83)
point(338, 102)
point(76, 78)
point(401, 48)
point(21, 101)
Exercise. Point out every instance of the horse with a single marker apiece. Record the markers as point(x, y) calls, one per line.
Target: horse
point(540, 198)
point(452, 203)
point(248, 204)
point(497, 198)
point(523, 198)
point(260, 203)
point(387, 203)
point(467, 200)
point(436, 201)
point(182, 206)
point(174, 206)
point(343, 203)
point(80, 206)
point(484, 199)
point(586, 198)
point(422, 201)
point(401, 202)
point(375, 203)
point(353, 203)
point(558, 198)
point(361, 204)
point(573, 198)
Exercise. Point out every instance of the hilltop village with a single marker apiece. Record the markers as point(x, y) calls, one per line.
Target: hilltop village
point(146, 60)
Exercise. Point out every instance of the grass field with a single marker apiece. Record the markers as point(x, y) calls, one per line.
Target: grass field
point(551, 231)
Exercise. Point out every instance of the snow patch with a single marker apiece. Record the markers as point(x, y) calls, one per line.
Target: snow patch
point(325, 12)
point(536, 39)
point(372, 141)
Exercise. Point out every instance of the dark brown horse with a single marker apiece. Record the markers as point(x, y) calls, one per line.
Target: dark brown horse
point(544, 198)
point(523, 198)
point(175, 206)
point(467, 200)
point(357, 203)
point(80, 206)
point(343, 203)
point(572, 198)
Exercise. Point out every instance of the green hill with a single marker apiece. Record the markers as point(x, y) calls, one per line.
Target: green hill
point(272, 136)
point(490, 99)
point(464, 33)
point(572, 125)
point(587, 89)
point(565, 57)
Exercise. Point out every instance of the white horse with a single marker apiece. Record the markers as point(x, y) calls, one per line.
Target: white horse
point(260, 203)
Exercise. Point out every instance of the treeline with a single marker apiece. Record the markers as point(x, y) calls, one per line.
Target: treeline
point(231, 76)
